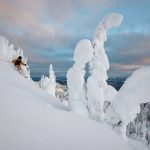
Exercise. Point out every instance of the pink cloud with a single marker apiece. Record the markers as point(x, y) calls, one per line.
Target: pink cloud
point(125, 67)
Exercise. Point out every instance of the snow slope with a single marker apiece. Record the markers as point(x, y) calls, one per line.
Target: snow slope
point(30, 119)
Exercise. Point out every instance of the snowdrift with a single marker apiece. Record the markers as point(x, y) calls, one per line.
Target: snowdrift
point(30, 119)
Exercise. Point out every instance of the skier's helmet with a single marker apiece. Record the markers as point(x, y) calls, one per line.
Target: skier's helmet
point(19, 57)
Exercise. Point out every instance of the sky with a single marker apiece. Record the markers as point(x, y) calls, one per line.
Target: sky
point(48, 31)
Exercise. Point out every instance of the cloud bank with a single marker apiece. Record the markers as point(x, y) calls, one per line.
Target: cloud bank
point(48, 30)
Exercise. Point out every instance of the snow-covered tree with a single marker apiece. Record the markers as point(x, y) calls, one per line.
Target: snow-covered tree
point(75, 77)
point(4, 44)
point(126, 104)
point(139, 128)
point(96, 83)
point(49, 84)
point(52, 79)
point(11, 52)
point(8, 53)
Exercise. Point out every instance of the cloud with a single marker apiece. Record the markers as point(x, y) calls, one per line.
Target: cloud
point(48, 30)
point(125, 67)
point(129, 47)
point(57, 9)
point(128, 51)
point(25, 18)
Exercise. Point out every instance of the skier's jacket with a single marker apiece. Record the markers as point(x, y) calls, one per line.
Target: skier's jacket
point(17, 62)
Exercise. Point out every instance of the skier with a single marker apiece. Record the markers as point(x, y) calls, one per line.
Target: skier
point(18, 62)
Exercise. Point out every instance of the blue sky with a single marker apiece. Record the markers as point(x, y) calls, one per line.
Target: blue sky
point(49, 30)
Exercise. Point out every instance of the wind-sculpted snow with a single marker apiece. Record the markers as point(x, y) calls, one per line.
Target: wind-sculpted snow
point(75, 77)
point(83, 52)
point(135, 91)
point(109, 21)
point(92, 94)
point(97, 88)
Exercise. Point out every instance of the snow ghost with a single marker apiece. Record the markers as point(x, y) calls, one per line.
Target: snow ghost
point(83, 53)
point(109, 21)
point(49, 84)
point(52, 79)
point(98, 66)
point(75, 77)
point(126, 104)
point(4, 44)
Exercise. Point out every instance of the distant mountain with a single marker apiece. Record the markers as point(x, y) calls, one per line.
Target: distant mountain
point(116, 82)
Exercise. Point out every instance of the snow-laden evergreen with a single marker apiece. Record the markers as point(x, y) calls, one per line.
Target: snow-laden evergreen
point(139, 128)
point(96, 83)
point(75, 77)
point(8, 53)
point(52, 79)
point(49, 83)
point(126, 104)
point(91, 94)
point(62, 92)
